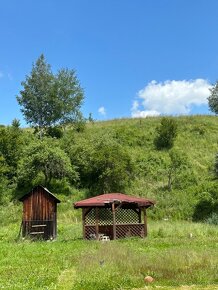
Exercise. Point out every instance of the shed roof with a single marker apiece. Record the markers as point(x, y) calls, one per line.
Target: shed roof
point(109, 198)
point(35, 188)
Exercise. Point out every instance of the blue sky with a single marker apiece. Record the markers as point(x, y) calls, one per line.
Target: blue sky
point(134, 58)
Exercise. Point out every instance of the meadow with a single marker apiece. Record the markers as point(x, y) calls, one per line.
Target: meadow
point(177, 254)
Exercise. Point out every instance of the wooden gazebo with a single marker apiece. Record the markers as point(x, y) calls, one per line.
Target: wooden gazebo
point(114, 215)
point(39, 213)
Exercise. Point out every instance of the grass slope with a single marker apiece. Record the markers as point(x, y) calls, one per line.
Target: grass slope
point(196, 141)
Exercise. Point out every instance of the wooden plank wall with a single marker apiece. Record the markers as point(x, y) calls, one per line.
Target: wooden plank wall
point(39, 206)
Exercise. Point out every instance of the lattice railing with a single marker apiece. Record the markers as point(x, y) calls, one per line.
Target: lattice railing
point(126, 216)
point(105, 216)
point(90, 232)
point(122, 231)
point(131, 230)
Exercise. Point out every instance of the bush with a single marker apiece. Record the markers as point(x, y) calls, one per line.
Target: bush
point(166, 134)
point(54, 132)
point(207, 203)
point(212, 219)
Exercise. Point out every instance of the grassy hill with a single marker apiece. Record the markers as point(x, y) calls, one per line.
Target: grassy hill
point(194, 183)
point(197, 142)
point(175, 252)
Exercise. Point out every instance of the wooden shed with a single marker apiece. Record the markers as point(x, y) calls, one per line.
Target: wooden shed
point(114, 215)
point(39, 213)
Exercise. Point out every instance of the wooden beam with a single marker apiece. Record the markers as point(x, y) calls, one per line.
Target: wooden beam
point(145, 222)
point(114, 221)
point(97, 223)
point(87, 210)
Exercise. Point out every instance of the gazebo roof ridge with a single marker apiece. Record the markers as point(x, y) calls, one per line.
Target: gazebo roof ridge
point(109, 198)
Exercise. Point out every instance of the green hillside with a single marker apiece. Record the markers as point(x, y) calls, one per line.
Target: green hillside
point(196, 142)
point(118, 155)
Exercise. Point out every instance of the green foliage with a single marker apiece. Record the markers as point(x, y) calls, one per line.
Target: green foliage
point(90, 119)
point(15, 123)
point(79, 125)
point(113, 167)
point(55, 132)
point(216, 166)
point(166, 133)
point(117, 156)
point(70, 96)
point(103, 164)
point(207, 202)
point(48, 99)
point(43, 161)
point(11, 143)
point(213, 99)
point(212, 219)
point(177, 164)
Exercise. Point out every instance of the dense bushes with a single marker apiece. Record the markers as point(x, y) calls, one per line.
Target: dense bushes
point(103, 164)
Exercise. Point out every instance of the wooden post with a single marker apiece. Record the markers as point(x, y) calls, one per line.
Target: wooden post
point(84, 222)
point(114, 221)
point(140, 216)
point(97, 223)
point(55, 222)
point(145, 222)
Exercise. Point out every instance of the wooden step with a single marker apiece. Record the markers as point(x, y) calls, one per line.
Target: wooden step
point(36, 233)
point(35, 226)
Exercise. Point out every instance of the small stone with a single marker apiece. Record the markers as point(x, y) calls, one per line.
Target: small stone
point(149, 279)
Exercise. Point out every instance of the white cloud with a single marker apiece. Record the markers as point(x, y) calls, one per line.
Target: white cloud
point(102, 111)
point(171, 97)
point(136, 113)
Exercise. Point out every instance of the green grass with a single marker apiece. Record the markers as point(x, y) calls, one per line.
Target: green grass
point(174, 253)
point(179, 255)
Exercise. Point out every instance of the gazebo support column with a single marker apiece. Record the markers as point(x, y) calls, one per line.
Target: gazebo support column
point(97, 223)
point(145, 222)
point(140, 215)
point(84, 222)
point(114, 221)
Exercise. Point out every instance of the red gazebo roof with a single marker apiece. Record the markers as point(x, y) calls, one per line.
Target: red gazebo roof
point(109, 198)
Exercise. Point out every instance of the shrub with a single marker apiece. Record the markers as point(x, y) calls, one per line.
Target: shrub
point(212, 219)
point(54, 132)
point(166, 134)
point(206, 205)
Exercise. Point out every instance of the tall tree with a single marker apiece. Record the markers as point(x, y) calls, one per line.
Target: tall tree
point(48, 99)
